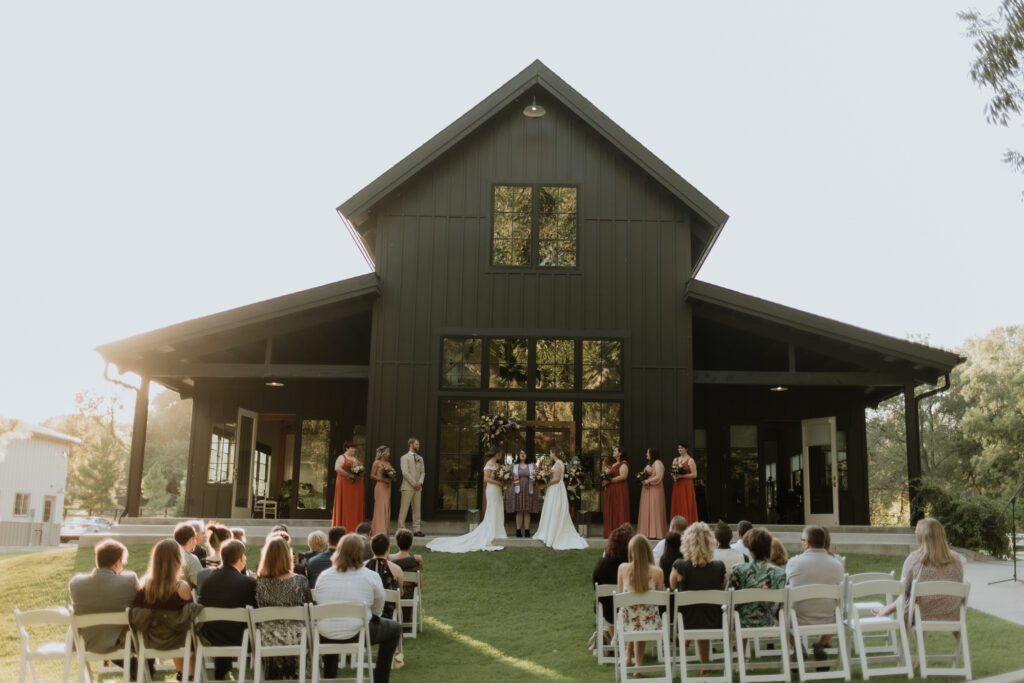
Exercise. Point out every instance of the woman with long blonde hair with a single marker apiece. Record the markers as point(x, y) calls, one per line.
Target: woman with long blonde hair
point(640, 575)
point(933, 560)
point(699, 571)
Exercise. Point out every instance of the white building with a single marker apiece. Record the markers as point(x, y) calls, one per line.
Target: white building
point(33, 476)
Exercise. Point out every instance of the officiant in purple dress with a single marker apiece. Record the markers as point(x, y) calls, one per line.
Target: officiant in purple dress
point(523, 497)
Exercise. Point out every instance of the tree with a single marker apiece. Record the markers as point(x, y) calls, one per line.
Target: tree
point(999, 65)
point(167, 443)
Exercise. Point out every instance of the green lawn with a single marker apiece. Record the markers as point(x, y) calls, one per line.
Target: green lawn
point(514, 615)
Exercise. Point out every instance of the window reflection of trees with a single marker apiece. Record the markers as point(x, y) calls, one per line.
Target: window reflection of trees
point(458, 462)
point(602, 432)
point(508, 362)
point(556, 364)
point(314, 459)
point(461, 362)
point(602, 364)
point(534, 223)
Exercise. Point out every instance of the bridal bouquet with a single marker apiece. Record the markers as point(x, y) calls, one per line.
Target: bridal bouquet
point(503, 474)
point(606, 474)
point(642, 475)
point(493, 428)
point(542, 471)
point(680, 469)
point(356, 469)
point(390, 473)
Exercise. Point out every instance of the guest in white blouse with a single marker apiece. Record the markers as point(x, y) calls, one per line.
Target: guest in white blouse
point(350, 582)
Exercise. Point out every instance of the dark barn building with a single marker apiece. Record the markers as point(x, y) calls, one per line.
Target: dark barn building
point(545, 267)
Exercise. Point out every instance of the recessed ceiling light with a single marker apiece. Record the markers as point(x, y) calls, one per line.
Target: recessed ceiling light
point(779, 388)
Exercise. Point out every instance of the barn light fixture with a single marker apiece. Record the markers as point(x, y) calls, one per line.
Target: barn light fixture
point(534, 111)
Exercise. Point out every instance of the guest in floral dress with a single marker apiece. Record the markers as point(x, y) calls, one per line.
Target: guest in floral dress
point(640, 575)
point(278, 586)
point(758, 573)
point(523, 497)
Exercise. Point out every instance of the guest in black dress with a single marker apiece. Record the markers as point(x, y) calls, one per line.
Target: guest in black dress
point(607, 571)
point(697, 572)
point(671, 552)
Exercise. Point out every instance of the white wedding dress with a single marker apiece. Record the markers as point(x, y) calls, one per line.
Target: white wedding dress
point(479, 538)
point(555, 528)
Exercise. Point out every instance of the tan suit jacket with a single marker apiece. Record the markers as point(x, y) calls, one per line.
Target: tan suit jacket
point(413, 470)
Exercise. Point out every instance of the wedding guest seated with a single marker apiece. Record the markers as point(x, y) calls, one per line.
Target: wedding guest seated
point(108, 588)
point(226, 586)
point(678, 525)
point(779, 556)
point(815, 566)
point(349, 581)
point(389, 572)
point(407, 563)
point(318, 563)
point(216, 534)
point(185, 536)
point(163, 591)
point(640, 575)
point(317, 542)
point(933, 560)
point(364, 529)
point(727, 555)
point(606, 571)
point(757, 574)
point(278, 586)
point(699, 571)
point(673, 551)
point(739, 546)
point(238, 533)
point(200, 529)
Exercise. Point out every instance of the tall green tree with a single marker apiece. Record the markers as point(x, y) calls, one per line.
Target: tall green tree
point(167, 442)
point(999, 64)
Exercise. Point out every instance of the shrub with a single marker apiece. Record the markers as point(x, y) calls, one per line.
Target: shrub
point(971, 521)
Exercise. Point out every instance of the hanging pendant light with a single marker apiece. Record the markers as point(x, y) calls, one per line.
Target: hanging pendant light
point(534, 111)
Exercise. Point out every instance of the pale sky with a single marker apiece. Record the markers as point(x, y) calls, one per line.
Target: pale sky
point(159, 161)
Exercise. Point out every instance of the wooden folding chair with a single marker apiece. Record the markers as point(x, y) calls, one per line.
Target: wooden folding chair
point(84, 621)
point(661, 636)
point(259, 615)
point(839, 667)
point(358, 652)
point(722, 633)
point(47, 650)
point(776, 632)
point(892, 629)
point(605, 653)
point(960, 659)
point(240, 652)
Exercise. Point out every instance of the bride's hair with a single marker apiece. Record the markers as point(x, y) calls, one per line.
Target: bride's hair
point(641, 557)
point(557, 452)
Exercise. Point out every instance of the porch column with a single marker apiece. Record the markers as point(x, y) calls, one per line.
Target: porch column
point(138, 452)
point(913, 452)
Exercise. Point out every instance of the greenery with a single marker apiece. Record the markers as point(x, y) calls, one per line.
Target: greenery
point(999, 64)
point(519, 614)
point(970, 520)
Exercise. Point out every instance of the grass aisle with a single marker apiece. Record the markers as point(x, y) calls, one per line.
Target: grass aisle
point(521, 614)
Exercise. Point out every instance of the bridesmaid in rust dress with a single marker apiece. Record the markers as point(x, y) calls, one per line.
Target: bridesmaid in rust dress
point(652, 498)
point(381, 491)
point(684, 500)
point(615, 506)
point(349, 507)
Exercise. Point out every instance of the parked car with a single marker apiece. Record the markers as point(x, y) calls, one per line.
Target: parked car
point(74, 527)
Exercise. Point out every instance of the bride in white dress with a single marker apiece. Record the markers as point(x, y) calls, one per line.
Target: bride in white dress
point(555, 528)
point(491, 528)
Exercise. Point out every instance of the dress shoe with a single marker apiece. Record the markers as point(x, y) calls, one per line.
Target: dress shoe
point(527, 533)
point(418, 533)
point(519, 533)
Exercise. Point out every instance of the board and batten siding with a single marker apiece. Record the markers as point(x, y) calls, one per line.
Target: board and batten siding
point(433, 245)
point(39, 468)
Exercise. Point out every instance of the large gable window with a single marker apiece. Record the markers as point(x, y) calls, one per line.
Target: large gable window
point(534, 225)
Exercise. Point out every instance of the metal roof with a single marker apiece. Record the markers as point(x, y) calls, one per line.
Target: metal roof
point(27, 429)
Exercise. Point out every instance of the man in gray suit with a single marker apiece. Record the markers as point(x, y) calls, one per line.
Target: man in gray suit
point(413, 474)
point(107, 589)
point(815, 566)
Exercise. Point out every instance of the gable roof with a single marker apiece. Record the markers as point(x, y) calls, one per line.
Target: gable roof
point(355, 210)
point(921, 359)
point(23, 430)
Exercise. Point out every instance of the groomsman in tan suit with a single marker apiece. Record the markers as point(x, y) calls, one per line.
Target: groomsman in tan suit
point(413, 474)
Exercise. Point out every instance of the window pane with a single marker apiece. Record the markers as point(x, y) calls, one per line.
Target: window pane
point(602, 431)
point(512, 225)
point(602, 365)
point(508, 363)
point(461, 362)
point(556, 364)
point(557, 228)
point(222, 454)
point(314, 461)
point(458, 478)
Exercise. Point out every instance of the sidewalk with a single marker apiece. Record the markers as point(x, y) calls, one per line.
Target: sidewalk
point(1004, 600)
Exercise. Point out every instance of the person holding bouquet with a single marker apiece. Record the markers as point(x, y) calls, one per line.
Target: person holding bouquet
point(383, 473)
point(684, 471)
point(652, 498)
point(493, 525)
point(615, 506)
point(349, 506)
point(523, 497)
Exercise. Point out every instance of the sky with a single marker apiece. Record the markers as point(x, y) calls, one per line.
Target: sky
point(160, 162)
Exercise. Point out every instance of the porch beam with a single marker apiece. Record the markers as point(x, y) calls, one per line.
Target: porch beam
point(912, 422)
point(804, 379)
point(133, 498)
point(257, 370)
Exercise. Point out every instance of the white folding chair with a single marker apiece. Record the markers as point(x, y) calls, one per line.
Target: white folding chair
point(776, 632)
point(892, 629)
point(865, 607)
point(83, 621)
point(359, 652)
point(259, 615)
point(415, 622)
point(605, 653)
point(661, 636)
point(839, 667)
point(395, 597)
point(146, 653)
point(52, 650)
point(960, 659)
point(240, 652)
point(722, 598)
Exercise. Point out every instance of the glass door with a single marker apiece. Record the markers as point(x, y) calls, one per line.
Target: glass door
point(245, 431)
point(821, 474)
